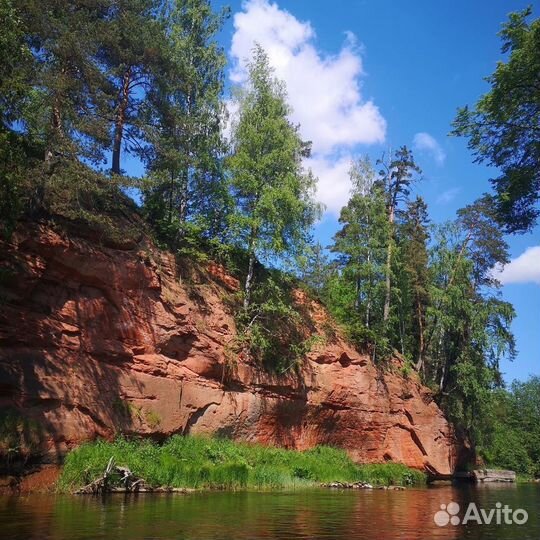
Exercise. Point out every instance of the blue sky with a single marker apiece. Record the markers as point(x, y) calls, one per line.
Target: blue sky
point(365, 76)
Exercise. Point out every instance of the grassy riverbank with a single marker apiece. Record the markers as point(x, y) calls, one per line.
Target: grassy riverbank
point(200, 462)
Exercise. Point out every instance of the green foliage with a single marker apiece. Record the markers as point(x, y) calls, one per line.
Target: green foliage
point(314, 269)
point(356, 291)
point(13, 182)
point(83, 81)
point(503, 128)
point(483, 240)
point(511, 434)
point(274, 327)
point(394, 285)
point(66, 84)
point(406, 370)
point(104, 77)
point(76, 193)
point(132, 53)
point(200, 462)
point(468, 324)
point(16, 64)
point(396, 176)
point(378, 288)
point(389, 474)
point(186, 188)
point(413, 281)
point(274, 205)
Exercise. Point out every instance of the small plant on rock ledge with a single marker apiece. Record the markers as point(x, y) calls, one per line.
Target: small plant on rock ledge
point(153, 419)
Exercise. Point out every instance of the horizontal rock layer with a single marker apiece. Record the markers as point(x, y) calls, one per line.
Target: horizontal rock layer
point(493, 475)
point(96, 341)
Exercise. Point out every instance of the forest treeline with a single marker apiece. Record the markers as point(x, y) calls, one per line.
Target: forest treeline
point(87, 86)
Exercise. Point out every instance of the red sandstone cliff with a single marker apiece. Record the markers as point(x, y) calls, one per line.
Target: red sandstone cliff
point(98, 340)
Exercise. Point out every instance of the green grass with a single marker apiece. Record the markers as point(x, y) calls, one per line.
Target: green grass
point(203, 462)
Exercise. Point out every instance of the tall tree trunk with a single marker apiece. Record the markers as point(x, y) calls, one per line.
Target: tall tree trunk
point(251, 269)
point(442, 380)
point(183, 196)
point(56, 136)
point(402, 331)
point(249, 281)
point(368, 301)
point(420, 359)
point(386, 312)
point(184, 187)
point(370, 281)
point(56, 129)
point(171, 198)
point(120, 121)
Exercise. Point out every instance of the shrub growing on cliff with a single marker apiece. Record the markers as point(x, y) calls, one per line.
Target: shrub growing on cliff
point(275, 329)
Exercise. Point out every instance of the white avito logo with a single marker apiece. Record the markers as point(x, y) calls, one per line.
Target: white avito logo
point(499, 515)
point(447, 514)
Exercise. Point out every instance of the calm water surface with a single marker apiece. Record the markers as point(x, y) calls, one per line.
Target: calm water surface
point(380, 515)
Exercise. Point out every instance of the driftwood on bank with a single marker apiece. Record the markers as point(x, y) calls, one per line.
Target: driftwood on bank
point(114, 477)
point(120, 479)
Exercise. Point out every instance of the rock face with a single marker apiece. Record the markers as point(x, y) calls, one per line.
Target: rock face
point(97, 340)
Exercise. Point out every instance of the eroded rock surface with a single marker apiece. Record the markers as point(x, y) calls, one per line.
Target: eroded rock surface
point(95, 341)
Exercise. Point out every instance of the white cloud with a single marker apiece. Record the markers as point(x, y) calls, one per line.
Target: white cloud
point(424, 142)
point(334, 186)
point(324, 91)
point(448, 196)
point(522, 269)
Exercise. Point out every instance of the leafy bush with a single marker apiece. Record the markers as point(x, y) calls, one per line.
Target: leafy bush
point(274, 329)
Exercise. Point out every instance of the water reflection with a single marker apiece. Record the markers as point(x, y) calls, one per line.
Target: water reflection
point(380, 515)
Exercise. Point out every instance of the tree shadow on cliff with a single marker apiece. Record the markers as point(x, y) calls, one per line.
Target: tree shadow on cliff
point(288, 418)
point(66, 343)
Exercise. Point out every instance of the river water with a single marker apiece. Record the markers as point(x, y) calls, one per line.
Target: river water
point(326, 514)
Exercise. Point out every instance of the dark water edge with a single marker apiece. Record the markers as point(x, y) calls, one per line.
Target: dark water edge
point(309, 514)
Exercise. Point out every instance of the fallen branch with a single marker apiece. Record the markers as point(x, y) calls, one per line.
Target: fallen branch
point(116, 478)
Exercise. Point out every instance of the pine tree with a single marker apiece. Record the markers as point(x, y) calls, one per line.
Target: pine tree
point(413, 238)
point(60, 112)
point(314, 268)
point(131, 52)
point(361, 247)
point(483, 239)
point(187, 183)
point(503, 128)
point(16, 66)
point(397, 176)
point(468, 323)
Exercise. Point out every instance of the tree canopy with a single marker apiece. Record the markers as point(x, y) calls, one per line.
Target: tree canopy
point(503, 128)
point(273, 192)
